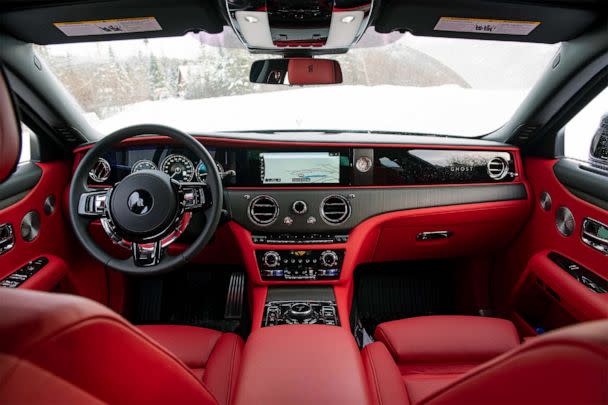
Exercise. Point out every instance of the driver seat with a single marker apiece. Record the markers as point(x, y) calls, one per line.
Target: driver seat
point(74, 350)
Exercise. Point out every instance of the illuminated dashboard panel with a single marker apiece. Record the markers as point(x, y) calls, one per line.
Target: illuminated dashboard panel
point(330, 166)
point(311, 194)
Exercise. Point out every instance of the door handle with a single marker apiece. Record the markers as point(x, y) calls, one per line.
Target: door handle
point(7, 238)
point(595, 234)
point(433, 235)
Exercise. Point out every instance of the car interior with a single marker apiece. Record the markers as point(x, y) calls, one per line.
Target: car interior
point(304, 201)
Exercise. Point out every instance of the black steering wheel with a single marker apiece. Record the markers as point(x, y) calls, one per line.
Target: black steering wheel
point(147, 210)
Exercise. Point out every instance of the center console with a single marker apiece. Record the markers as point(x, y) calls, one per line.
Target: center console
point(295, 306)
point(280, 365)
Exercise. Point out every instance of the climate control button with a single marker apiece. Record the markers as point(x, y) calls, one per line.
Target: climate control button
point(329, 258)
point(299, 207)
point(271, 259)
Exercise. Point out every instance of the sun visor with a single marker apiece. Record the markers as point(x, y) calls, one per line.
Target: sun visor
point(545, 22)
point(111, 20)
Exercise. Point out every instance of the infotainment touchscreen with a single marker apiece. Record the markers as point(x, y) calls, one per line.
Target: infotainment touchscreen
point(300, 167)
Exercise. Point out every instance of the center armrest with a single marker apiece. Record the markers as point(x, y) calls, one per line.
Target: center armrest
point(302, 364)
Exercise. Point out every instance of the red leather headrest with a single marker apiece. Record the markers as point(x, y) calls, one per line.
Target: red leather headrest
point(10, 134)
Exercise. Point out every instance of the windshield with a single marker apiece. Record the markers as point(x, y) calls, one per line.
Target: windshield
point(403, 84)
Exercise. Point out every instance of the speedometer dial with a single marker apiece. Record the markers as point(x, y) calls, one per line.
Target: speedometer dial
point(143, 165)
point(178, 167)
point(201, 171)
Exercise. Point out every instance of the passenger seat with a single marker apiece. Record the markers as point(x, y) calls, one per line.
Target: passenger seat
point(565, 366)
point(432, 351)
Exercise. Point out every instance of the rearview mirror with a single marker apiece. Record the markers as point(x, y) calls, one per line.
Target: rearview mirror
point(296, 71)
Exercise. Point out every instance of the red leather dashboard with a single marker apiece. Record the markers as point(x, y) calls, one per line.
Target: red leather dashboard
point(488, 224)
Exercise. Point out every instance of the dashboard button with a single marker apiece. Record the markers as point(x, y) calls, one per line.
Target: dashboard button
point(299, 207)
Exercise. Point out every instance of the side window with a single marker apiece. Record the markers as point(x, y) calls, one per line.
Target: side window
point(586, 135)
point(26, 143)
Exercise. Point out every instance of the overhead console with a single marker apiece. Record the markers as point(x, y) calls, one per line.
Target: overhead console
point(301, 24)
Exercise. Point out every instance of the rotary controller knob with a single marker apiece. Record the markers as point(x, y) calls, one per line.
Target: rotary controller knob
point(329, 258)
point(300, 310)
point(271, 259)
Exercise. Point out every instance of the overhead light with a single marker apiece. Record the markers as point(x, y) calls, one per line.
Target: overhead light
point(348, 19)
point(251, 19)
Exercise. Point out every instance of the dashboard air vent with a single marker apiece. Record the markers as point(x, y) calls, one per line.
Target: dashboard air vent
point(498, 168)
point(263, 210)
point(100, 172)
point(335, 209)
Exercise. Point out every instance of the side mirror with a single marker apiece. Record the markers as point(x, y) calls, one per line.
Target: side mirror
point(296, 71)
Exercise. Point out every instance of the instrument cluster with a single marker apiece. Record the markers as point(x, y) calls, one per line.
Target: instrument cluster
point(179, 167)
point(117, 164)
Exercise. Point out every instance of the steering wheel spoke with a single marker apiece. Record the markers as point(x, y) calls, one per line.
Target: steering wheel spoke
point(147, 256)
point(193, 195)
point(93, 204)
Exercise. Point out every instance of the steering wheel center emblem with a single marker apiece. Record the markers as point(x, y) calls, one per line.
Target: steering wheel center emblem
point(140, 202)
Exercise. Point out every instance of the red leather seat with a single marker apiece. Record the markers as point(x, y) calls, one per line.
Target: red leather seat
point(74, 350)
point(567, 366)
point(432, 351)
point(214, 357)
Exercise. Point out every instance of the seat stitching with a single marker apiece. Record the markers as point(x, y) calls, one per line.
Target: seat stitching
point(510, 356)
point(229, 396)
point(373, 369)
point(211, 352)
point(25, 354)
point(388, 343)
point(21, 361)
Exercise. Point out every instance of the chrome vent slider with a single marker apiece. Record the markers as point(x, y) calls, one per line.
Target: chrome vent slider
point(263, 210)
point(498, 168)
point(335, 209)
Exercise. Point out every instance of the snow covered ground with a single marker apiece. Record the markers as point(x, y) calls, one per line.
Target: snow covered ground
point(445, 110)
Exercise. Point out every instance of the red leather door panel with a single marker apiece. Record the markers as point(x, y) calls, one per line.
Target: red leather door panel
point(51, 240)
point(526, 267)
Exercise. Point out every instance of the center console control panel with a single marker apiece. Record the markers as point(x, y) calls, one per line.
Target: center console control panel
point(300, 312)
point(300, 264)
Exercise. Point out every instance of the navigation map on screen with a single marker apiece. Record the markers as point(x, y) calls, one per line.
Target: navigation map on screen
point(300, 168)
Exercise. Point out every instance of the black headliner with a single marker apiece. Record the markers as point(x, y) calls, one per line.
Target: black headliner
point(32, 20)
